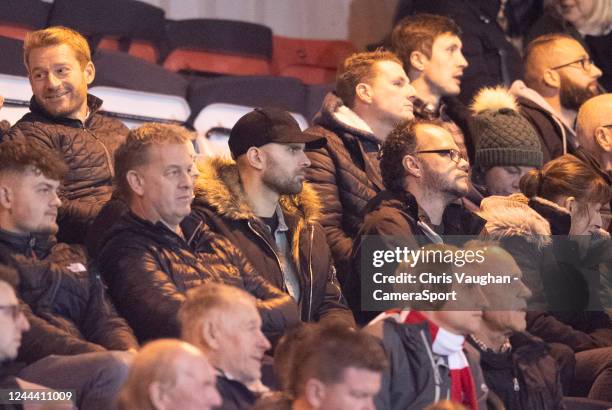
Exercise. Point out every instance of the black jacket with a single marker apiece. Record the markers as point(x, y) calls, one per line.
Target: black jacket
point(88, 149)
point(221, 203)
point(524, 377)
point(149, 268)
point(345, 173)
point(390, 219)
point(235, 395)
point(68, 309)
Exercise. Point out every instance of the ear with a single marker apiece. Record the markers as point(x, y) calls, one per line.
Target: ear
point(603, 138)
point(552, 79)
point(90, 72)
point(156, 396)
point(418, 60)
point(6, 197)
point(363, 91)
point(136, 182)
point(210, 335)
point(570, 204)
point(314, 392)
point(412, 166)
point(256, 158)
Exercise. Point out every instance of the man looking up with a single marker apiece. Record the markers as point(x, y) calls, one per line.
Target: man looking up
point(373, 94)
point(63, 117)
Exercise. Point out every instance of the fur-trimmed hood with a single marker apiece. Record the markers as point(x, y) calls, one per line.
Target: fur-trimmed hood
point(508, 216)
point(219, 186)
point(334, 114)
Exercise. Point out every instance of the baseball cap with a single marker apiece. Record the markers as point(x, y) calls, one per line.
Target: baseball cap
point(265, 125)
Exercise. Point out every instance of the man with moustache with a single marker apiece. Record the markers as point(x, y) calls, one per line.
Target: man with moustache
point(63, 117)
point(373, 94)
point(424, 173)
point(559, 77)
point(262, 205)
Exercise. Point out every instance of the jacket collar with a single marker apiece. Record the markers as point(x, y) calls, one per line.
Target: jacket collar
point(558, 217)
point(26, 244)
point(219, 187)
point(93, 103)
point(334, 114)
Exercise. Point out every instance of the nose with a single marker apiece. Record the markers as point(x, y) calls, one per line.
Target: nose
point(264, 343)
point(22, 322)
point(56, 200)
point(53, 81)
point(596, 71)
point(305, 160)
point(597, 219)
point(411, 91)
point(215, 400)
point(481, 300)
point(463, 61)
point(525, 292)
point(463, 164)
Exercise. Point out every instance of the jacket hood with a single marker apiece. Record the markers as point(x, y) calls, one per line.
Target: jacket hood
point(219, 186)
point(511, 216)
point(519, 89)
point(334, 114)
point(559, 218)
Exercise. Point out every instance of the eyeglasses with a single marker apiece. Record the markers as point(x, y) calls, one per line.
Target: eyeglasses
point(585, 63)
point(453, 154)
point(14, 310)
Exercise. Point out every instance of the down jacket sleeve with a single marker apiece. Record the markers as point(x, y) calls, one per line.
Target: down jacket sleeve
point(322, 176)
point(334, 308)
point(278, 310)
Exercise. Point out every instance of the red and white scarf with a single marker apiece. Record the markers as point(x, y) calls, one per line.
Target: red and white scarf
point(445, 343)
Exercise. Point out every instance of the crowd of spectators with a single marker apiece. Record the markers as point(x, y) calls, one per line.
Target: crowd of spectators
point(137, 277)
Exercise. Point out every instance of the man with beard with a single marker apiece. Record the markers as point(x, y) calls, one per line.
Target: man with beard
point(261, 204)
point(373, 94)
point(63, 117)
point(424, 174)
point(559, 77)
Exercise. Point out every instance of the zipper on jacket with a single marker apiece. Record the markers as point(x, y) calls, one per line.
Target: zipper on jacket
point(280, 266)
point(437, 378)
point(109, 160)
point(310, 270)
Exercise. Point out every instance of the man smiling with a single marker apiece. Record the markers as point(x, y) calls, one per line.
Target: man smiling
point(64, 117)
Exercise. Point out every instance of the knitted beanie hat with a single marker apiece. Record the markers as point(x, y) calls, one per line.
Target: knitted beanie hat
point(503, 136)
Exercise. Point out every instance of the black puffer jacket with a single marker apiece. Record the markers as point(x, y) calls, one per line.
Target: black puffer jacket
point(525, 377)
point(221, 202)
point(148, 269)
point(88, 149)
point(68, 309)
point(345, 173)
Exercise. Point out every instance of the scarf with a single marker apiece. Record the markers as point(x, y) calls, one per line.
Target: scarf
point(450, 345)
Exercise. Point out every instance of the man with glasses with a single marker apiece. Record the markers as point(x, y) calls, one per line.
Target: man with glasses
point(424, 173)
point(559, 78)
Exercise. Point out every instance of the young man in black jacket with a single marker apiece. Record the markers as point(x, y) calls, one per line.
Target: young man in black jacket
point(261, 204)
point(68, 309)
point(149, 260)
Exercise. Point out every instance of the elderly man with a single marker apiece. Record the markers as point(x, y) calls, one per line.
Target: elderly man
point(517, 367)
point(65, 118)
point(169, 374)
point(223, 322)
point(559, 77)
point(149, 260)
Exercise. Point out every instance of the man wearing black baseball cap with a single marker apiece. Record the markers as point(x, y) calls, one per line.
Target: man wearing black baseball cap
point(261, 204)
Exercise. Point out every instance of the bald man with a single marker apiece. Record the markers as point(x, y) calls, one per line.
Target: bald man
point(559, 78)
